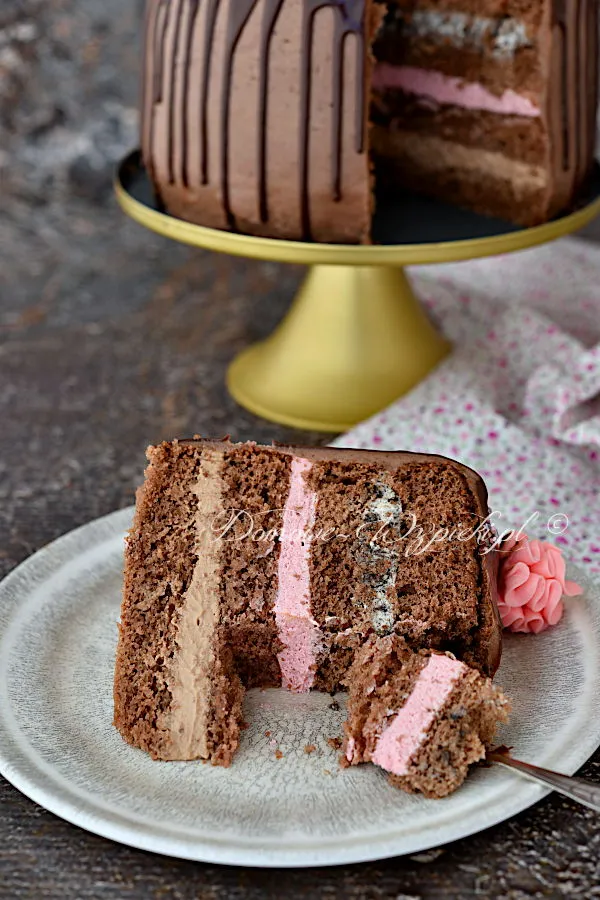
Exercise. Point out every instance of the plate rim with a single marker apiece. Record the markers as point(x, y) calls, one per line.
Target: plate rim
point(23, 771)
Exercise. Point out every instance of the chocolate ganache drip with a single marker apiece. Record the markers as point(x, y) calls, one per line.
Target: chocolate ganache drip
point(208, 43)
point(575, 53)
point(239, 13)
point(272, 10)
point(156, 30)
point(189, 39)
point(349, 19)
point(351, 24)
point(175, 22)
point(161, 23)
point(172, 86)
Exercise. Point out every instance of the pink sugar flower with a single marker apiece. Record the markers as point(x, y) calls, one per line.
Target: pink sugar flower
point(531, 585)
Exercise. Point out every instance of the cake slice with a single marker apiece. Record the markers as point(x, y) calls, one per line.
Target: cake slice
point(424, 717)
point(253, 566)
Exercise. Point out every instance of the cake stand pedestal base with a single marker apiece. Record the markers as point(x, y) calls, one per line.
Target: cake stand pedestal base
point(354, 340)
point(356, 337)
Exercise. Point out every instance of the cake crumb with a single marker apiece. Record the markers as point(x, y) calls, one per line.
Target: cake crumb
point(334, 706)
point(428, 856)
point(326, 772)
point(335, 743)
point(267, 734)
point(278, 754)
point(310, 748)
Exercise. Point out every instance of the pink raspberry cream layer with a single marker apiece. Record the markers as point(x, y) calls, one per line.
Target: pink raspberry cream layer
point(408, 729)
point(451, 91)
point(298, 631)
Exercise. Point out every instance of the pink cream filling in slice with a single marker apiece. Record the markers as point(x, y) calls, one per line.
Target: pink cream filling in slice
point(448, 90)
point(406, 733)
point(298, 631)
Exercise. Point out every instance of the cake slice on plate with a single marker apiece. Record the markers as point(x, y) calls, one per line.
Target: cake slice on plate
point(424, 717)
point(253, 566)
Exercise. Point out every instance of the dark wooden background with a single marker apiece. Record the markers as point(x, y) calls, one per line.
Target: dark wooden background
point(111, 338)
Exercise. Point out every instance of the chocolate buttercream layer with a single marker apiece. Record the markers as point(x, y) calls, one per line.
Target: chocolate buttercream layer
point(488, 182)
point(191, 667)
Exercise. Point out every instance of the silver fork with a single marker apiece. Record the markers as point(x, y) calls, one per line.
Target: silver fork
point(578, 789)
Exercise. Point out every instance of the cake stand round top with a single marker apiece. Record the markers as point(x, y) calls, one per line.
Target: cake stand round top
point(407, 229)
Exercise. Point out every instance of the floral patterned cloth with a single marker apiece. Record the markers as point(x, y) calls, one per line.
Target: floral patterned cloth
point(519, 398)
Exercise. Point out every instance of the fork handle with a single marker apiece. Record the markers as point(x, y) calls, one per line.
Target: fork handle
point(578, 789)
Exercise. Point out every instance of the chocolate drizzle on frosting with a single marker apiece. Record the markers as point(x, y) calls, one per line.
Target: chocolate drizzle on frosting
point(174, 22)
point(160, 34)
point(156, 32)
point(172, 90)
point(350, 23)
point(349, 19)
point(189, 40)
point(573, 91)
point(593, 52)
point(239, 13)
point(272, 10)
point(208, 44)
point(146, 97)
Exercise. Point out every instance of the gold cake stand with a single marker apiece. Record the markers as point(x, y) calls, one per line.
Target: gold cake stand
point(356, 337)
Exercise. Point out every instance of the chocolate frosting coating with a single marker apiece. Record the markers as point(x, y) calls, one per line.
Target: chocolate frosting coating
point(572, 96)
point(255, 113)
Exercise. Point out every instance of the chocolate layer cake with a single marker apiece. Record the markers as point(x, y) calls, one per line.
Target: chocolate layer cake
point(265, 566)
point(271, 117)
point(424, 717)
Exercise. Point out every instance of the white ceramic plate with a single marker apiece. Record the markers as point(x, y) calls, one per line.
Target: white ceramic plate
point(276, 805)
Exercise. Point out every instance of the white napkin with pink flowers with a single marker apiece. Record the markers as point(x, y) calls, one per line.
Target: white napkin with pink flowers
point(519, 398)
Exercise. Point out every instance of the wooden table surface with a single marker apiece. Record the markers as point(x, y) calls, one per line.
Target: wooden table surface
point(112, 338)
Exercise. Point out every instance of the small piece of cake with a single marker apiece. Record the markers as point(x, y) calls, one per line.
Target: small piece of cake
point(253, 566)
point(424, 717)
